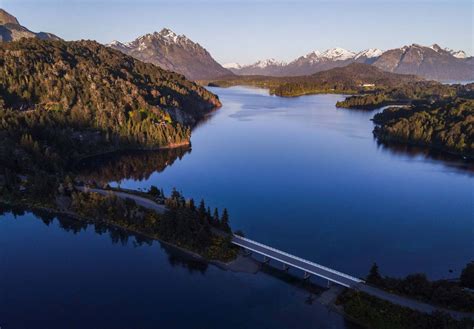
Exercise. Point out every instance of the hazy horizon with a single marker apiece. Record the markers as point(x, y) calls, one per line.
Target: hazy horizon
point(250, 31)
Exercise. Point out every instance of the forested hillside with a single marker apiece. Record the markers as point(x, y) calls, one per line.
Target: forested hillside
point(420, 91)
point(446, 124)
point(62, 100)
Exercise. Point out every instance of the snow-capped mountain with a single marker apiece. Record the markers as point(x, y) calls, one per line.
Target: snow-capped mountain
point(431, 62)
point(232, 66)
point(262, 67)
point(369, 53)
point(173, 52)
point(337, 54)
point(456, 53)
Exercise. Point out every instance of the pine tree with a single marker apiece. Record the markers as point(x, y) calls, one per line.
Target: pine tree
point(215, 217)
point(225, 221)
point(374, 276)
point(192, 206)
point(202, 210)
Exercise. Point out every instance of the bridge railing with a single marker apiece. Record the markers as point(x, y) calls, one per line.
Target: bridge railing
point(347, 276)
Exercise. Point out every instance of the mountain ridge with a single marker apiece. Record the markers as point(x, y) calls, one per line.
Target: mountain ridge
point(433, 62)
point(173, 52)
point(11, 30)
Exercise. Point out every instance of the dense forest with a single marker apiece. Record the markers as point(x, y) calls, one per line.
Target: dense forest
point(405, 94)
point(183, 224)
point(62, 100)
point(447, 125)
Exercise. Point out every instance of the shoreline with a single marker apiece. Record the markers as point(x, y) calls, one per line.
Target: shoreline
point(426, 147)
point(137, 149)
point(240, 264)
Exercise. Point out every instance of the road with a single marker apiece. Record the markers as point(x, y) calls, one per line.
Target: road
point(141, 201)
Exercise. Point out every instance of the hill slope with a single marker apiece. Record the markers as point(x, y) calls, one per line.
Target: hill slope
point(63, 100)
point(175, 53)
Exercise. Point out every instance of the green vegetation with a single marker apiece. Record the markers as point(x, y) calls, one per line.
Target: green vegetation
point(182, 224)
point(420, 92)
point(60, 101)
point(447, 125)
point(375, 313)
point(447, 294)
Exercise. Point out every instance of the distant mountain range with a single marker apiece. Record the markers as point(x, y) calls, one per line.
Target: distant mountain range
point(175, 53)
point(11, 30)
point(182, 55)
point(431, 62)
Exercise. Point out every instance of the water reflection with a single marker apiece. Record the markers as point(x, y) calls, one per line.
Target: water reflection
point(450, 161)
point(137, 165)
point(176, 257)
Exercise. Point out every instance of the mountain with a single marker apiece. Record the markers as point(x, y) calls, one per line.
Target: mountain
point(175, 53)
point(82, 97)
point(11, 30)
point(431, 62)
point(367, 56)
point(269, 67)
point(313, 62)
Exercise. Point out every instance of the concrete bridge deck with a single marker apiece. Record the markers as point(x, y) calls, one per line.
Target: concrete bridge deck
point(307, 266)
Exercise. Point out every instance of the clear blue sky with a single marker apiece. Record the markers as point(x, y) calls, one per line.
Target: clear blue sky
point(247, 30)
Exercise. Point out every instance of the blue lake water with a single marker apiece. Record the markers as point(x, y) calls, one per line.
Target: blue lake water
point(301, 175)
point(297, 174)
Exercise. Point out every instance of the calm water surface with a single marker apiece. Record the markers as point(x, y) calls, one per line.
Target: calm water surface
point(306, 177)
point(296, 173)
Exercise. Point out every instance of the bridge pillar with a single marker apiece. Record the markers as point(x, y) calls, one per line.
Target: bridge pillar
point(306, 276)
point(285, 267)
point(266, 259)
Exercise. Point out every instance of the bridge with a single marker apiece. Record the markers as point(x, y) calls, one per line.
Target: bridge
point(309, 268)
point(289, 260)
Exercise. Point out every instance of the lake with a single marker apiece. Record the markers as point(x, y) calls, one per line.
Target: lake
point(295, 173)
point(308, 178)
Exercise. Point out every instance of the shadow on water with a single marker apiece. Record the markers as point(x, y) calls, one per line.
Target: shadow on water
point(176, 257)
point(450, 161)
point(137, 165)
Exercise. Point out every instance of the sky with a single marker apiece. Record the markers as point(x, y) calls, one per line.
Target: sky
point(248, 30)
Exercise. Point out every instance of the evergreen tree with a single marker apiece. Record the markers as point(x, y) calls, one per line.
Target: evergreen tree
point(225, 221)
point(215, 217)
point(202, 210)
point(374, 276)
point(192, 206)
